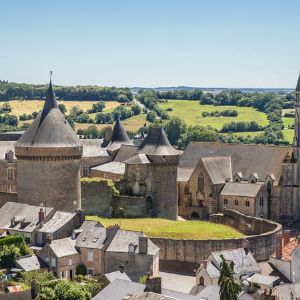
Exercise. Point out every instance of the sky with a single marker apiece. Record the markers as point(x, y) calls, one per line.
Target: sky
point(149, 43)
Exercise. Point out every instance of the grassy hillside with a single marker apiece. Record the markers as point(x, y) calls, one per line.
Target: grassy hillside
point(191, 112)
point(173, 229)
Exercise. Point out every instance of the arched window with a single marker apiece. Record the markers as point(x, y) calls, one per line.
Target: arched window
point(201, 280)
point(201, 182)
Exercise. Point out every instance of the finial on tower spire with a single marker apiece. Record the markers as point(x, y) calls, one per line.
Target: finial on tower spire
point(51, 74)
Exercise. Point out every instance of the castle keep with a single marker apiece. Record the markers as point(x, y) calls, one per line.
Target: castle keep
point(48, 165)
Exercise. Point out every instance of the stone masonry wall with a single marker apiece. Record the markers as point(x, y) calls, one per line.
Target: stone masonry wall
point(129, 206)
point(260, 233)
point(7, 197)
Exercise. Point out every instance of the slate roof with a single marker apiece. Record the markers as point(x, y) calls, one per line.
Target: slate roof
point(119, 137)
point(241, 189)
point(218, 168)
point(212, 270)
point(50, 128)
point(111, 167)
point(6, 146)
point(242, 262)
point(21, 211)
point(118, 289)
point(210, 292)
point(284, 291)
point(116, 275)
point(63, 247)
point(93, 235)
point(59, 219)
point(157, 143)
point(247, 159)
point(122, 239)
point(92, 148)
point(138, 159)
point(126, 152)
point(263, 279)
point(29, 263)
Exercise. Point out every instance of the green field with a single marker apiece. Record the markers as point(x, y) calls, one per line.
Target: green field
point(173, 229)
point(191, 113)
point(288, 122)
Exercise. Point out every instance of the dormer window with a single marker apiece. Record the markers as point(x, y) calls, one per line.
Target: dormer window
point(130, 248)
point(237, 177)
point(270, 178)
point(253, 178)
point(9, 156)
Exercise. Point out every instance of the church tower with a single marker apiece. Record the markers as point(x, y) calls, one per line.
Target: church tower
point(49, 154)
point(296, 155)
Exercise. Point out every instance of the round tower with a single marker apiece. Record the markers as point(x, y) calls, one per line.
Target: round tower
point(49, 154)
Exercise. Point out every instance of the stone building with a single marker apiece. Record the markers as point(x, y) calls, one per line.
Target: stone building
point(49, 154)
point(205, 169)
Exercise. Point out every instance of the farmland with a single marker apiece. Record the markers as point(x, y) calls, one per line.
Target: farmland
point(173, 229)
point(191, 113)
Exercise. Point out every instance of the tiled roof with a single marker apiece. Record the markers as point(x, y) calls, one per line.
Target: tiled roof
point(111, 167)
point(289, 248)
point(63, 247)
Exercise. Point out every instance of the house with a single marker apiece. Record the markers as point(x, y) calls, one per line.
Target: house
point(24, 219)
point(61, 257)
point(92, 243)
point(120, 274)
point(287, 291)
point(135, 251)
point(242, 261)
point(286, 259)
point(30, 263)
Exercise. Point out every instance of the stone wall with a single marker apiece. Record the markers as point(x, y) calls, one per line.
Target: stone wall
point(96, 197)
point(129, 206)
point(260, 233)
point(7, 197)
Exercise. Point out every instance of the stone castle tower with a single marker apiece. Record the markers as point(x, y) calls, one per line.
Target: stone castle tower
point(48, 163)
point(296, 155)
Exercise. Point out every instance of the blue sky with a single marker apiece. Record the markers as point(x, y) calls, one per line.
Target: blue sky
point(210, 43)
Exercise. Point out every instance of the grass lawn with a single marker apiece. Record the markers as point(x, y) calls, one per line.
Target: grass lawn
point(191, 113)
point(288, 122)
point(252, 134)
point(173, 229)
point(288, 135)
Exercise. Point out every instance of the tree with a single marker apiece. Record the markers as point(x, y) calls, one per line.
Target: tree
point(97, 107)
point(151, 116)
point(62, 108)
point(136, 109)
point(174, 128)
point(8, 255)
point(229, 289)
point(81, 270)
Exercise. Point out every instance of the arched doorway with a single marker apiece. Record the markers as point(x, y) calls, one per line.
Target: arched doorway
point(195, 215)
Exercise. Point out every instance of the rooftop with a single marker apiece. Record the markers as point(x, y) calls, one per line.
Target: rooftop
point(111, 167)
point(241, 189)
point(29, 263)
point(63, 247)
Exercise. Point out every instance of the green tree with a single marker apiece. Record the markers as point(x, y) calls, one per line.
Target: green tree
point(151, 116)
point(174, 128)
point(8, 255)
point(229, 289)
point(136, 109)
point(62, 108)
point(81, 270)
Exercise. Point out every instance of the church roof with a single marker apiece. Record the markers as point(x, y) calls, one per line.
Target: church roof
point(157, 143)
point(241, 189)
point(247, 159)
point(50, 130)
point(298, 85)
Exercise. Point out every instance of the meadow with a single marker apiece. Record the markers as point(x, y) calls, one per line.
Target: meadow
point(191, 113)
point(195, 230)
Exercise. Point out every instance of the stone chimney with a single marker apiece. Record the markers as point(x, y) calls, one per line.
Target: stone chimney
point(107, 133)
point(112, 230)
point(121, 268)
point(286, 237)
point(278, 246)
point(48, 239)
point(143, 245)
point(41, 215)
point(204, 263)
point(153, 284)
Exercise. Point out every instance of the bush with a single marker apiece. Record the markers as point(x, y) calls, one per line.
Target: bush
point(81, 270)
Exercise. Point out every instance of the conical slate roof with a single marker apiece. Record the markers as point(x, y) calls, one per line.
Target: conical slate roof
point(51, 131)
point(298, 85)
point(157, 143)
point(119, 137)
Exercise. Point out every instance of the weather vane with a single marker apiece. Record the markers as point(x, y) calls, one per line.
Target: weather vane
point(51, 74)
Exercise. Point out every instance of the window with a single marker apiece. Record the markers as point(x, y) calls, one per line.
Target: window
point(9, 188)
point(201, 182)
point(9, 156)
point(62, 274)
point(90, 271)
point(86, 171)
point(201, 281)
point(247, 203)
point(70, 262)
point(53, 262)
point(186, 189)
point(131, 248)
point(225, 201)
point(90, 255)
point(236, 202)
point(261, 201)
point(10, 173)
point(46, 259)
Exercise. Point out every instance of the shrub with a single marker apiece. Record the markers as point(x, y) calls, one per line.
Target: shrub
point(81, 270)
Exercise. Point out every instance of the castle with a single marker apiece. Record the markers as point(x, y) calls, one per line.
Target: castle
point(149, 177)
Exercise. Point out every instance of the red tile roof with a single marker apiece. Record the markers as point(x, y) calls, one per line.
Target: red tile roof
point(289, 248)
